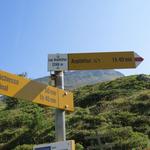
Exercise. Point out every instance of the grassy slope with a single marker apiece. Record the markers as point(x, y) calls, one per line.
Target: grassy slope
point(119, 110)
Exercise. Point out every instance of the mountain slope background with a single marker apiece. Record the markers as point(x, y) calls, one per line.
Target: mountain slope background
point(118, 111)
point(75, 79)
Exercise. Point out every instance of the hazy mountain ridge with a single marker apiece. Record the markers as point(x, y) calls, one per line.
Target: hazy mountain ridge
point(75, 79)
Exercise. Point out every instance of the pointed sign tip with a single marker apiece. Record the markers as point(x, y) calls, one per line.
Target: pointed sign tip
point(139, 59)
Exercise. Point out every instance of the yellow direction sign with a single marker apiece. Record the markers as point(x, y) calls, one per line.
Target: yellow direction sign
point(93, 61)
point(106, 60)
point(22, 88)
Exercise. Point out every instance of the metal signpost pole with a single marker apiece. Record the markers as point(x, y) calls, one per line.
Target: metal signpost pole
point(60, 114)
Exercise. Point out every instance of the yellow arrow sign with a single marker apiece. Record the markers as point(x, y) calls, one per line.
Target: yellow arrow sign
point(93, 61)
point(22, 88)
point(106, 60)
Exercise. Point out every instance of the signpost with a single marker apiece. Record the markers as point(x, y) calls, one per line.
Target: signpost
point(86, 61)
point(63, 145)
point(22, 88)
point(94, 61)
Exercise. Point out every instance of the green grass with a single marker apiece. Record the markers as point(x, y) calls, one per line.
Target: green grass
point(119, 110)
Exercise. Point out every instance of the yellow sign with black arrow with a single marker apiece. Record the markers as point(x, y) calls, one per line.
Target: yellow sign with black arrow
point(23, 88)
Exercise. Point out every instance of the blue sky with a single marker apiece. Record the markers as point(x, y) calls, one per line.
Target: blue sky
point(31, 29)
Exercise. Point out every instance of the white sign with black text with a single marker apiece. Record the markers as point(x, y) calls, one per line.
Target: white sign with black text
point(57, 62)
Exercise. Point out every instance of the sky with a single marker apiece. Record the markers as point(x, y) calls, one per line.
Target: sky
point(32, 29)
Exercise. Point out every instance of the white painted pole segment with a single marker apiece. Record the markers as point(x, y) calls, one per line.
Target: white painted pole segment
point(60, 114)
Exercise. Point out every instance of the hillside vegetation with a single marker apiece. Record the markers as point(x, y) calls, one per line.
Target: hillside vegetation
point(118, 111)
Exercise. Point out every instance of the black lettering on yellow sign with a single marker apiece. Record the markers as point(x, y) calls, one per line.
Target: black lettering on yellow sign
point(9, 80)
point(4, 87)
point(122, 59)
point(47, 98)
point(96, 60)
point(48, 91)
point(79, 61)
